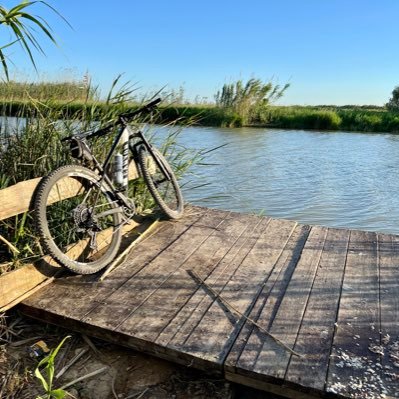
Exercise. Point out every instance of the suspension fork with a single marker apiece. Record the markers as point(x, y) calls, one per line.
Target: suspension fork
point(135, 151)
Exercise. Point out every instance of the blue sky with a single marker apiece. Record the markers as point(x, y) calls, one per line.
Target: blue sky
point(331, 52)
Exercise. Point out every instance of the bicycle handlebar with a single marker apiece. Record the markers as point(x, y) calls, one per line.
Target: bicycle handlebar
point(121, 118)
point(146, 108)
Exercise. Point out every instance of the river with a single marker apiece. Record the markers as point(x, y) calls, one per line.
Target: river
point(335, 179)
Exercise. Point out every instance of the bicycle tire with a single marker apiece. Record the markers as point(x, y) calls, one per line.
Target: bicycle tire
point(66, 227)
point(156, 171)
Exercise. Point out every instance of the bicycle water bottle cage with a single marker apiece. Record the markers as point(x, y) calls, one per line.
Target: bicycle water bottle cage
point(79, 150)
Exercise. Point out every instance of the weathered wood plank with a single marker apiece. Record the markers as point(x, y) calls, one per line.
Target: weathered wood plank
point(388, 253)
point(294, 283)
point(16, 283)
point(262, 356)
point(199, 301)
point(272, 292)
point(17, 199)
point(138, 289)
point(352, 369)
point(209, 333)
point(155, 314)
point(66, 299)
point(317, 329)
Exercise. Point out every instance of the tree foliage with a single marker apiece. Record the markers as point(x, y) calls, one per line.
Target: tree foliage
point(393, 103)
point(245, 99)
point(25, 28)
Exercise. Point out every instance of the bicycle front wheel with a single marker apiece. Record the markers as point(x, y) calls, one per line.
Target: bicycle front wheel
point(161, 181)
point(78, 223)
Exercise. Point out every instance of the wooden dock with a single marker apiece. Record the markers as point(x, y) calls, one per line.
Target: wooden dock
point(330, 295)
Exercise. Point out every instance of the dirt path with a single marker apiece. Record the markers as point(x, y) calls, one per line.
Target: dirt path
point(125, 374)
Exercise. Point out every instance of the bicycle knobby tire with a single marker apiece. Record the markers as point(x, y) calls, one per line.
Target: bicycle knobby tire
point(161, 182)
point(83, 230)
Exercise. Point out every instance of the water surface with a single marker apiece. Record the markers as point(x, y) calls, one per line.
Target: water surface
point(335, 179)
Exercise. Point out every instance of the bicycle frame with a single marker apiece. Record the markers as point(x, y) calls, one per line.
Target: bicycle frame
point(123, 139)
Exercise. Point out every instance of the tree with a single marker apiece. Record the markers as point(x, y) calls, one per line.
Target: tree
point(24, 28)
point(393, 103)
point(245, 99)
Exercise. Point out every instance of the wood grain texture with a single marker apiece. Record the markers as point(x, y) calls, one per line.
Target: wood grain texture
point(262, 355)
point(272, 292)
point(199, 302)
point(136, 290)
point(16, 283)
point(17, 198)
point(326, 293)
point(358, 321)
point(210, 333)
point(388, 250)
point(66, 299)
point(156, 313)
point(317, 328)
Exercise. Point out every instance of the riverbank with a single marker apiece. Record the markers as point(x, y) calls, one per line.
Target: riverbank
point(347, 118)
point(356, 119)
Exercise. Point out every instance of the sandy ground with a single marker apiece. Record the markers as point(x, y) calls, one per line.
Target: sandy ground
point(122, 373)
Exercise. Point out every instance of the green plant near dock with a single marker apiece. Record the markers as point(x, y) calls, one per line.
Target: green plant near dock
point(47, 366)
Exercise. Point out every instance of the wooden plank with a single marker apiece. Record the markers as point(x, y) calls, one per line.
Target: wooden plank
point(156, 313)
point(109, 313)
point(66, 298)
point(212, 329)
point(294, 283)
point(272, 292)
point(17, 199)
point(199, 301)
point(353, 367)
point(317, 329)
point(262, 357)
point(388, 250)
point(16, 283)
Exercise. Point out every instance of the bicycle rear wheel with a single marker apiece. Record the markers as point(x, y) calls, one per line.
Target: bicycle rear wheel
point(78, 223)
point(161, 181)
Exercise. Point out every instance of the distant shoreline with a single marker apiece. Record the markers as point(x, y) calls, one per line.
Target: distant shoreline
point(347, 118)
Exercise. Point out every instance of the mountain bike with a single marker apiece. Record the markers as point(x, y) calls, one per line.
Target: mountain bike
point(81, 208)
